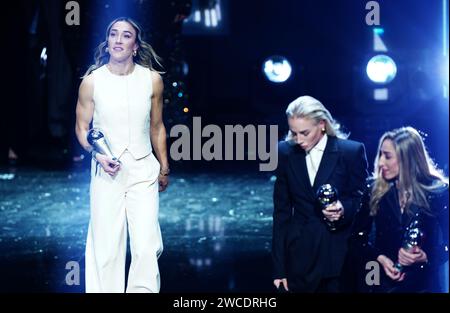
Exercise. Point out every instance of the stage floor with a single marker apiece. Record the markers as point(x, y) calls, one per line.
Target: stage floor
point(216, 230)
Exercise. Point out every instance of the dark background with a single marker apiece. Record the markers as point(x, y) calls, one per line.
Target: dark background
point(327, 43)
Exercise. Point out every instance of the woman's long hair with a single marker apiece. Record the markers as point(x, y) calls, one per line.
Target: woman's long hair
point(309, 107)
point(145, 55)
point(416, 170)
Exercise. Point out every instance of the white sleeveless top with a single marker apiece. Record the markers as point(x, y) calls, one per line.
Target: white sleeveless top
point(122, 109)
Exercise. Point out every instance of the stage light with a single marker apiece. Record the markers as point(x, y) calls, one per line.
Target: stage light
point(208, 11)
point(44, 56)
point(378, 43)
point(381, 94)
point(197, 16)
point(277, 69)
point(445, 76)
point(445, 72)
point(218, 11)
point(207, 18)
point(381, 69)
point(378, 30)
point(213, 15)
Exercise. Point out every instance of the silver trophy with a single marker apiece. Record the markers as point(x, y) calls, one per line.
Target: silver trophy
point(413, 237)
point(326, 195)
point(97, 140)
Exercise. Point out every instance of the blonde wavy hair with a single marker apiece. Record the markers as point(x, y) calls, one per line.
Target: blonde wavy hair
point(311, 108)
point(145, 55)
point(416, 170)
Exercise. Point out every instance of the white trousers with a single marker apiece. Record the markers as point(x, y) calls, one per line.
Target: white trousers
point(129, 199)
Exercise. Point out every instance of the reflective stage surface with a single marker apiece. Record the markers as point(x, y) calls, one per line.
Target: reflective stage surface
point(216, 228)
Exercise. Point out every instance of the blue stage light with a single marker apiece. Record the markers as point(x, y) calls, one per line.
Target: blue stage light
point(381, 69)
point(277, 69)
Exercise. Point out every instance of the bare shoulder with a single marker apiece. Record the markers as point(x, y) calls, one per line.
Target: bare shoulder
point(86, 91)
point(87, 84)
point(157, 81)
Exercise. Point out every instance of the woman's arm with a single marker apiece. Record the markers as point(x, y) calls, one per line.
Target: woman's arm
point(361, 230)
point(84, 111)
point(281, 215)
point(158, 131)
point(356, 184)
point(434, 252)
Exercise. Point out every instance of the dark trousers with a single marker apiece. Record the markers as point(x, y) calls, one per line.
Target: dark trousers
point(326, 285)
point(329, 285)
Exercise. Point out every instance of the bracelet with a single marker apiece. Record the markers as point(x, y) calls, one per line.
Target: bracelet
point(164, 173)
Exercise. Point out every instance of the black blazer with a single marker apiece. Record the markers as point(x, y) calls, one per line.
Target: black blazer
point(383, 234)
point(304, 250)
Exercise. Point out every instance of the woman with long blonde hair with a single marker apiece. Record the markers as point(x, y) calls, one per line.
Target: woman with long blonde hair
point(143, 54)
point(406, 186)
point(121, 94)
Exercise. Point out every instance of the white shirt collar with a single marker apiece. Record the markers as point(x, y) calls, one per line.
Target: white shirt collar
point(320, 146)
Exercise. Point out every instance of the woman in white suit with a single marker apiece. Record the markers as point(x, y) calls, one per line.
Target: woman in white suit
point(121, 94)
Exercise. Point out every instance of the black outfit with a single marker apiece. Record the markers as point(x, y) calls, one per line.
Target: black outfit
point(384, 233)
point(304, 250)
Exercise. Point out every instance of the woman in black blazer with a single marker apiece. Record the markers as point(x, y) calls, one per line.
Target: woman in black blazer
point(307, 253)
point(406, 187)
